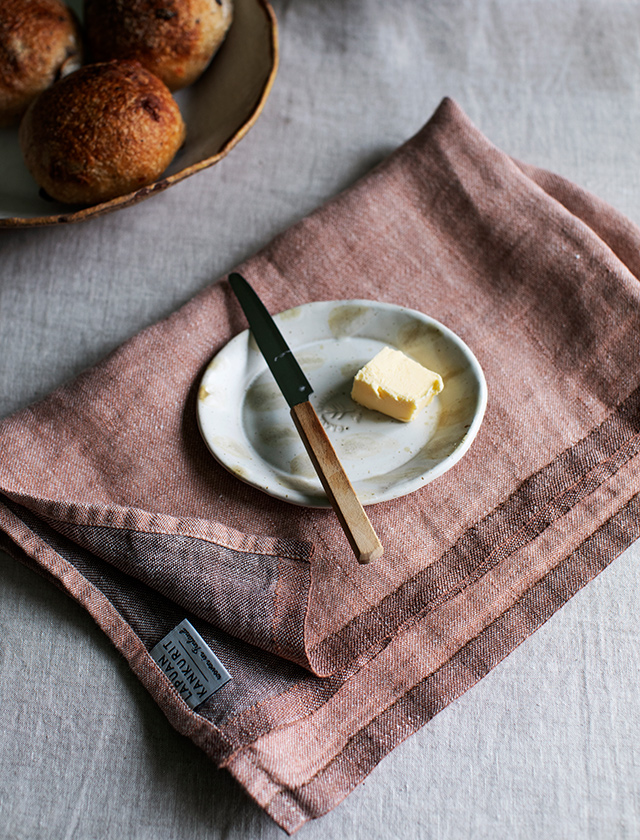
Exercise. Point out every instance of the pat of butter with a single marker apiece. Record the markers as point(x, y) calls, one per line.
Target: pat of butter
point(395, 385)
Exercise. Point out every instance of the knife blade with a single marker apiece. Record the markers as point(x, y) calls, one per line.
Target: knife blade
point(296, 389)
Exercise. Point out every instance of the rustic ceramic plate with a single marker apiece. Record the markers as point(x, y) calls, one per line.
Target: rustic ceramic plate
point(245, 420)
point(218, 110)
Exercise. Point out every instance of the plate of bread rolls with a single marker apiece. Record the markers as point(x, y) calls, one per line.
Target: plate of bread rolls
point(104, 103)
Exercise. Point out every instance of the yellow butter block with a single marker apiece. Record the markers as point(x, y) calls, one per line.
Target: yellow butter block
point(395, 385)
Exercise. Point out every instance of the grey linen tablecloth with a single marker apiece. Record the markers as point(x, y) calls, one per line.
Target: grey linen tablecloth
point(544, 745)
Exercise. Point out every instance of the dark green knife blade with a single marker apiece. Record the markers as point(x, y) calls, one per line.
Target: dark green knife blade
point(282, 363)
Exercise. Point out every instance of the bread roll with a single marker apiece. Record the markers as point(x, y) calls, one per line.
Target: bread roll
point(39, 42)
point(104, 131)
point(175, 39)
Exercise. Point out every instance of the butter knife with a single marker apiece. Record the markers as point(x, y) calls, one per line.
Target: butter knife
point(296, 389)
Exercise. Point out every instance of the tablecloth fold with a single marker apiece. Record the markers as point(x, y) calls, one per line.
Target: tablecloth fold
point(107, 488)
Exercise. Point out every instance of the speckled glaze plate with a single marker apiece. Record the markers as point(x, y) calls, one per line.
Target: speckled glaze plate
point(245, 421)
point(218, 110)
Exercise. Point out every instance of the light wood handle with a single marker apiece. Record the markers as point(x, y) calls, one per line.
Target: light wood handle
point(355, 522)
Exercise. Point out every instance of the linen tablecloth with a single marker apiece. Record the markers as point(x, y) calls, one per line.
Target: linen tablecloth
point(108, 488)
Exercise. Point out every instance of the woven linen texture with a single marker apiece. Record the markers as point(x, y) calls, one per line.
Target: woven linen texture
point(107, 488)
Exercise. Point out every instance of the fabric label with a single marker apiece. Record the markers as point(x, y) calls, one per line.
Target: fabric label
point(190, 664)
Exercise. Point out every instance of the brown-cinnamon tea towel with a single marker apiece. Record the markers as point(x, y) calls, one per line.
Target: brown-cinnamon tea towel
point(109, 490)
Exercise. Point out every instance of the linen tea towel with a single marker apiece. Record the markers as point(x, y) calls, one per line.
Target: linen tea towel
point(107, 488)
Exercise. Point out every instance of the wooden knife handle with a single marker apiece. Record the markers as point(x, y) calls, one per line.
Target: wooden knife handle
point(355, 522)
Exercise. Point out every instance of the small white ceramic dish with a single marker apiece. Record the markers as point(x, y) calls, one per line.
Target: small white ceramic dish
point(245, 420)
point(218, 110)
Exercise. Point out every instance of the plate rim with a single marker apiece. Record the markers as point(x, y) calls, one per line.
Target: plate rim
point(129, 199)
point(322, 502)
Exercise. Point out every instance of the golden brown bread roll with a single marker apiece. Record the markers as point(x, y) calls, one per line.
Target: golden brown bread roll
point(175, 39)
point(103, 131)
point(39, 42)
